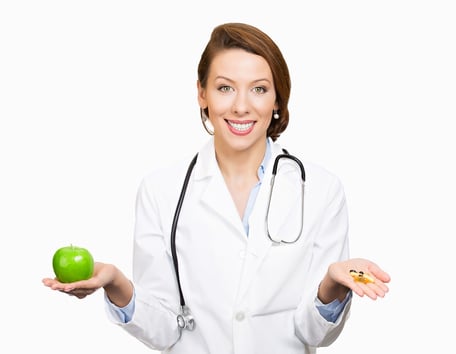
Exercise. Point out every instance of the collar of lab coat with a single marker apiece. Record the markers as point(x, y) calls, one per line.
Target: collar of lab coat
point(207, 163)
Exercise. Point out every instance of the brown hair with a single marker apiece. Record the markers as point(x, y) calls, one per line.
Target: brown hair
point(255, 41)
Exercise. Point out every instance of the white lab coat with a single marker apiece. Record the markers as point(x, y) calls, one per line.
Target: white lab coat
point(246, 294)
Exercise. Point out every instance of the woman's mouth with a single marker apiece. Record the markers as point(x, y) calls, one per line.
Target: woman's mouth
point(240, 127)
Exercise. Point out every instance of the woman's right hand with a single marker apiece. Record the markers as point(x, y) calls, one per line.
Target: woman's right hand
point(117, 286)
point(103, 275)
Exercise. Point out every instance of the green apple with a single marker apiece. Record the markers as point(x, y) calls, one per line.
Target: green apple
point(72, 263)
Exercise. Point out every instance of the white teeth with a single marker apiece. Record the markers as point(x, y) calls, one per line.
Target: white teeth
point(241, 126)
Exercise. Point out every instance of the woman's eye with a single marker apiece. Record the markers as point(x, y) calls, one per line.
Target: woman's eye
point(259, 89)
point(225, 88)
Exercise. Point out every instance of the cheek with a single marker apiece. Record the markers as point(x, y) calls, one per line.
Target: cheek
point(218, 105)
point(264, 109)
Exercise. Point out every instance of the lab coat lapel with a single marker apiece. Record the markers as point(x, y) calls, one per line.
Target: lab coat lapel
point(216, 195)
point(257, 246)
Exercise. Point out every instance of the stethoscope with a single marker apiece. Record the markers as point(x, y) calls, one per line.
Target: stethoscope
point(185, 319)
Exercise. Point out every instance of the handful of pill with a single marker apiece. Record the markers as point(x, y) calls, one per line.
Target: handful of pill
point(361, 277)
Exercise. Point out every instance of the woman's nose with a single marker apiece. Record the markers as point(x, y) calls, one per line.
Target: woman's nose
point(241, 103)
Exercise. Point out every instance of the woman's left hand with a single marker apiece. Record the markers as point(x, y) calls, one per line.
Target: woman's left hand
point(370, 279)
point(362, 276)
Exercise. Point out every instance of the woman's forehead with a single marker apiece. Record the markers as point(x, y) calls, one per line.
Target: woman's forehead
point(236, 64)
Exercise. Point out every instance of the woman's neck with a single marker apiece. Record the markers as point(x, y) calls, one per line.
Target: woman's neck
point(240, 163)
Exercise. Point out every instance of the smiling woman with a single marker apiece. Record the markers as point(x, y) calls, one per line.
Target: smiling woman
point(245, 290)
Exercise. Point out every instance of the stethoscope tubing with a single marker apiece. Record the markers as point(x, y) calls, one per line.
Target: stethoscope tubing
point(174, 227)
point(184, 318)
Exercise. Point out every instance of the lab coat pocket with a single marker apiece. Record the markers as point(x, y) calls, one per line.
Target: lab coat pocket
point(279, 282)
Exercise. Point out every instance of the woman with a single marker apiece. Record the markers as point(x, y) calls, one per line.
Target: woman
point(252, 286)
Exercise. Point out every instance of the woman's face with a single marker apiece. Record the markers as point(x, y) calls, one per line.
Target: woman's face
point(240, 98)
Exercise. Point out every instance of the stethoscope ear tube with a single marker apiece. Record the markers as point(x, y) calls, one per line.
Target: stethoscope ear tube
point(285, 155)
point(184, 319)
point(291, 157)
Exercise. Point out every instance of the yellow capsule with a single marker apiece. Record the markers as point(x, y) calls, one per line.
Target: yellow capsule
point(361, 277)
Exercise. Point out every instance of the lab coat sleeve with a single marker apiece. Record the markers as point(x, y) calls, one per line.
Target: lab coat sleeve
point(120, 314)
point(330, 245)
point(156, 296)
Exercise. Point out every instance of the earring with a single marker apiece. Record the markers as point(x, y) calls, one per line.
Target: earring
point(206, 122)
point(276, 115)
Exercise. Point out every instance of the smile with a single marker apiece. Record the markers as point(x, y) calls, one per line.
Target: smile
point(240, 127)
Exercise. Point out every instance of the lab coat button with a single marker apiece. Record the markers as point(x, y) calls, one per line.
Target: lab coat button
point(240, 316)
point(242, 254)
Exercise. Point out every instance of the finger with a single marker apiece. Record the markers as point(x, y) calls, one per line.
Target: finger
point(81, 293)
point(49, 281)
point(79, 296)
point(46, 281)
point(353, 285)
point(381, 275)
point(378, 272)
point(380, 288)
point(53, 284)
point(374, 290)
point(356, 288)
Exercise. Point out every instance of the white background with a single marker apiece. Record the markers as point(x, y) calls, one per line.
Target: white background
point(93, 94)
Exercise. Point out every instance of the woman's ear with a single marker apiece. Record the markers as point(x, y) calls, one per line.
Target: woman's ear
point(201, 95)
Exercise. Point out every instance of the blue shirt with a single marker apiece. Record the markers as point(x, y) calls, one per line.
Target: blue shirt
point(256, 188)
point(329, 311)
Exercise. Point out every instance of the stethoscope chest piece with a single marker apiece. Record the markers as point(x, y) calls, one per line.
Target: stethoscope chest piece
point(185, 319)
